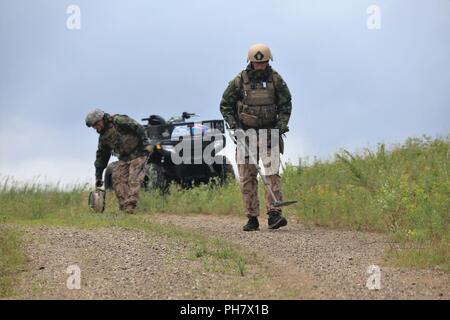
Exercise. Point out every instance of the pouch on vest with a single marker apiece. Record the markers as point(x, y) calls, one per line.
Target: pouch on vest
point(128, 143)
point(258, 109)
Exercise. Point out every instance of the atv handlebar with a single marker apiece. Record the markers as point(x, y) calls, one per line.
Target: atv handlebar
point(187, 115)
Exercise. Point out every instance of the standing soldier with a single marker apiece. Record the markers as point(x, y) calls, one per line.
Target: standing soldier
point(258, 98)
point(124, 137)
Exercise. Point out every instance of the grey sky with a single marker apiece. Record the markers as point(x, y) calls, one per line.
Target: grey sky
point(352, 87)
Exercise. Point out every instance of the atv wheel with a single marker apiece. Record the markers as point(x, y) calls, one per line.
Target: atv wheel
point(155, 178)
point(108, 175)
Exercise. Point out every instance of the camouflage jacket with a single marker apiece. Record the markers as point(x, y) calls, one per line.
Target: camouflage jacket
point(123, 137)
point(235, 92)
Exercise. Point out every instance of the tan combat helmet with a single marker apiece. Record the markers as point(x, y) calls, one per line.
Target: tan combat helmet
point(259, 53)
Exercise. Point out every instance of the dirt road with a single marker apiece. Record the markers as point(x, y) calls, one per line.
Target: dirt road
point(291, 263)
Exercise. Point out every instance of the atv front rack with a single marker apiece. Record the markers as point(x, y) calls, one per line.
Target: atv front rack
point(172, 132)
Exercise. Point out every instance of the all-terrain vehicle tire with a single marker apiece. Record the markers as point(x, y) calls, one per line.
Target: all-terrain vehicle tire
point(108, 175)
point(155, 178)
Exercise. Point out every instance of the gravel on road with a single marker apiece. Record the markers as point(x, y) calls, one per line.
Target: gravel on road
point(295, 262)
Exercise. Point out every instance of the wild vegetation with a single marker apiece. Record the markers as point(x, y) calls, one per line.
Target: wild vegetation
point(403, 191)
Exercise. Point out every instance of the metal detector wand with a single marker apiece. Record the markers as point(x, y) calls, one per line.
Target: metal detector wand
point(276, 203)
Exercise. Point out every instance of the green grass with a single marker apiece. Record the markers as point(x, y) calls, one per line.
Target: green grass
point(403, 191)
point(11, 260)
point(204, 199)
point(430, 256)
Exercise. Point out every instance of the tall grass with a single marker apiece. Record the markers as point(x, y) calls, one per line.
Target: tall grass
point(403, 191)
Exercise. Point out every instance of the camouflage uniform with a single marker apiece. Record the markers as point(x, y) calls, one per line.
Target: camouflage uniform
point(274, 113)
point(125, 138)
point(127, 177)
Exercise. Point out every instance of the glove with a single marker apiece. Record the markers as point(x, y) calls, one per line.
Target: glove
point(99, 183)
point(282, 127)
point(149, 148)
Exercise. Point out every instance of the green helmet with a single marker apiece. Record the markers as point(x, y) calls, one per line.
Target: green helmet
point(94, 116)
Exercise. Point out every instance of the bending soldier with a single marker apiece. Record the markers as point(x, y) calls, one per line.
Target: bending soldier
point(124, 137)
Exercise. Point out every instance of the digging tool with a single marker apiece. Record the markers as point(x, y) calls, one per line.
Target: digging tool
point(276, 203)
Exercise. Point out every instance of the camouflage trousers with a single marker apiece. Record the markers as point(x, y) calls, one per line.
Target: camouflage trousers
point(248, 177)
point(127, 177)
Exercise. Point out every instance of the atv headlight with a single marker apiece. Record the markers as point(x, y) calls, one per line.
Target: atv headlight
point(168, 148)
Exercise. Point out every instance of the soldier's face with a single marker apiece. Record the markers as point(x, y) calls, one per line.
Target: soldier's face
point(259, 65)
point(99, 125)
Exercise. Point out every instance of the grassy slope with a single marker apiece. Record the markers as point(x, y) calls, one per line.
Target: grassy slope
point(404, 192)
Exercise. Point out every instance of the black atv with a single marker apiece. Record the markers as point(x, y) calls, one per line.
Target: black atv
point(165, 136)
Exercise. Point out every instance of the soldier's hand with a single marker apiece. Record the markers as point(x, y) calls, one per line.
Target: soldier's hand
point(149, 148)
point(99, 183)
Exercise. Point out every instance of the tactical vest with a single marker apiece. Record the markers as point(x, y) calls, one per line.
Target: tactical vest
point(122, 144)
point(257, 108)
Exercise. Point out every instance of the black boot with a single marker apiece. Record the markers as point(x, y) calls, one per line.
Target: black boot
point(276, 220)
point(252, 224)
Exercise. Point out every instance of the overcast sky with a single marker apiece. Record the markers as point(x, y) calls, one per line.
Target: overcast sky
point(352, 87)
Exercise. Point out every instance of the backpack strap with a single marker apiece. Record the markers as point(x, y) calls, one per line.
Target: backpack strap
point(246, 83)
point(245, 77)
